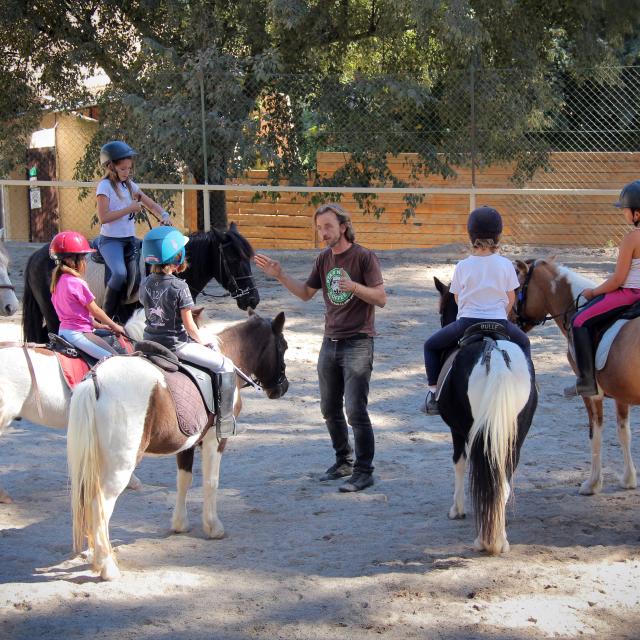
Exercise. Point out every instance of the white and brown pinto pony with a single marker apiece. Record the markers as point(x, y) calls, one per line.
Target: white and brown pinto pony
point(549, 291)
point(134, 414)
point(9, 304)
point(33, 387)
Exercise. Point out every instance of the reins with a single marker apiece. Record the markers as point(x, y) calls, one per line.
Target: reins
point(521, 300)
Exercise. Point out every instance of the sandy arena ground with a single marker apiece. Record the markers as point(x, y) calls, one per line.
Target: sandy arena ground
point(300, 560)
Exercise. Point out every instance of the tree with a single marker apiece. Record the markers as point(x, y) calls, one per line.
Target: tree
point(283, 78)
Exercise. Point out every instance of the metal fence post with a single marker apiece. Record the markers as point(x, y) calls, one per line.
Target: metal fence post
point(472, 115)
point(205, 193)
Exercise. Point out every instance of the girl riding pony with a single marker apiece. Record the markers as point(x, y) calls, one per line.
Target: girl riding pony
point(484, 287)
point(73, 301)
point(620, 290)
point(167, 305)
point(119, 199)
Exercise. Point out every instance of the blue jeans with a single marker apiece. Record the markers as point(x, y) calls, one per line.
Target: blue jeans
point(344, 371)
point(448, 336)
point(78, 339)
point(115, 251)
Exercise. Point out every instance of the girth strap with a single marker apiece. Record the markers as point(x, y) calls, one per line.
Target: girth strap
point(34, 382)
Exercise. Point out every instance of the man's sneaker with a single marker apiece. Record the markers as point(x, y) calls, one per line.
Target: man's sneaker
point(430, 406)
point(357, 482)
point(337, 471)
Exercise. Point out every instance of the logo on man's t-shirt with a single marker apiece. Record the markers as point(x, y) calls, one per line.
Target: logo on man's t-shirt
point(333, 291)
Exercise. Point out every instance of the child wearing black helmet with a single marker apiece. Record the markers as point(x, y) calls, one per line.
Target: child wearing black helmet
point(620, 290)
point(118, 200)
point(484, 287)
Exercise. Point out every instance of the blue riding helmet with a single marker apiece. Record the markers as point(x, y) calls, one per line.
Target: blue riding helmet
point(114, 151)
point(164, 245)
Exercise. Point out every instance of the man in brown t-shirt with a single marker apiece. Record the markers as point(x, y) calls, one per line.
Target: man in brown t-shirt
point(351, 282)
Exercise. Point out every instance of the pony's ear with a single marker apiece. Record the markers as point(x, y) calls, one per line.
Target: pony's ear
point(521, 267)
point(233, 226)
point(251, 311)
point(552, 258)
point(196, 313)
point(277, 324)
point(440, 286)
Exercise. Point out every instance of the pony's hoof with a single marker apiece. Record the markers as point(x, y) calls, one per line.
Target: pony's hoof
point(214, 530)
point(629, 481)
point(454, 514)
point(110, 571)
point(5, 498)
point(588, 488)
point(134, 483)
point(179, 525)
point(478, 545)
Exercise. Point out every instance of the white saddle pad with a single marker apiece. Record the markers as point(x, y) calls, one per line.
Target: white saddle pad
point(605, 343)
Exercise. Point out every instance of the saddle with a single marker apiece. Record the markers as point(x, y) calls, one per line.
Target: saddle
point(481, 331)
point(75, 363)
point(132, 262)
point(190, 386)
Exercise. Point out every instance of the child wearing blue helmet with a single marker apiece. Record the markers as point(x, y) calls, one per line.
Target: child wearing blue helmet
point(484, 287)
point(169, 320)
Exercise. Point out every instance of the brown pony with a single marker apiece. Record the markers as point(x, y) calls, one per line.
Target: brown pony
point(549, 291)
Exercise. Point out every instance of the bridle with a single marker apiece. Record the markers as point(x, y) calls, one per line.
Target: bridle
point(232, 281)
point(281, 375)
point(522, 320)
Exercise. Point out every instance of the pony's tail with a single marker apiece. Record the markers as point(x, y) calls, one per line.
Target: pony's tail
point(83, 457)
point(492, 447)
point(33, 329)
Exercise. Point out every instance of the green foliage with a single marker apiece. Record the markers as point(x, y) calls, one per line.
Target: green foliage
point(284, 79)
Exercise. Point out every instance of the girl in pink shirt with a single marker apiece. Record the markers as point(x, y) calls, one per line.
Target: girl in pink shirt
point(74, 303)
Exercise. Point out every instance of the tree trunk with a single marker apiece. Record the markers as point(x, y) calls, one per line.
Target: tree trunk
point(217, 209)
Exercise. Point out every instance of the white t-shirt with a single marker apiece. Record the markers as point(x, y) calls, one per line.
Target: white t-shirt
point(125, 226)
point(481, 284)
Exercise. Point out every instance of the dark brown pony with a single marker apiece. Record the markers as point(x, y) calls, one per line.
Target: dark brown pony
point(548, 291)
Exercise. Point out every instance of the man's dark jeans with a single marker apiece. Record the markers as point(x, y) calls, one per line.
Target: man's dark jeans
point(344, 371)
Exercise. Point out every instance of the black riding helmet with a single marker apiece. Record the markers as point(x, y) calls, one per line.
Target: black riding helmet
point(484, 223)
point(114, 151)
point(629, 196)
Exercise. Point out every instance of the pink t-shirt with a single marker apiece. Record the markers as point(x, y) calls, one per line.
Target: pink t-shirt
point(70, 300)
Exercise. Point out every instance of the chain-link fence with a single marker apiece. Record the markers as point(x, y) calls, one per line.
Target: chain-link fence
point(478, 133)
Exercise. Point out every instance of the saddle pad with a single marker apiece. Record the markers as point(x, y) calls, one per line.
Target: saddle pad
point(605, 343)
point(73, 369)
point(190, 410)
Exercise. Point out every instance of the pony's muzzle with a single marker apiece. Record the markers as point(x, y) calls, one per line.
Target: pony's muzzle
point(273, 393)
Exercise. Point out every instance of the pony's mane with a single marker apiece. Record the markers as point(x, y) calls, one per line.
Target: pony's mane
point(576, 281)
point(4, 255)
point(239, 242)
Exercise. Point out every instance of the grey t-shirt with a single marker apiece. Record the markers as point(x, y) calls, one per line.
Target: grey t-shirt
point(163, 296)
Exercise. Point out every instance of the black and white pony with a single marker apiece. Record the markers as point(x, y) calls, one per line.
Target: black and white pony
point(488, 401)
point(223, 255)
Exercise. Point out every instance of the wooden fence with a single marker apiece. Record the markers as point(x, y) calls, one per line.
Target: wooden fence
point(441, 218)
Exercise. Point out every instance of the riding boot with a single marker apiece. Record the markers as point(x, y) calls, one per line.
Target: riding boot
point(111, 301)
point(225, 394)
point(585, 363)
